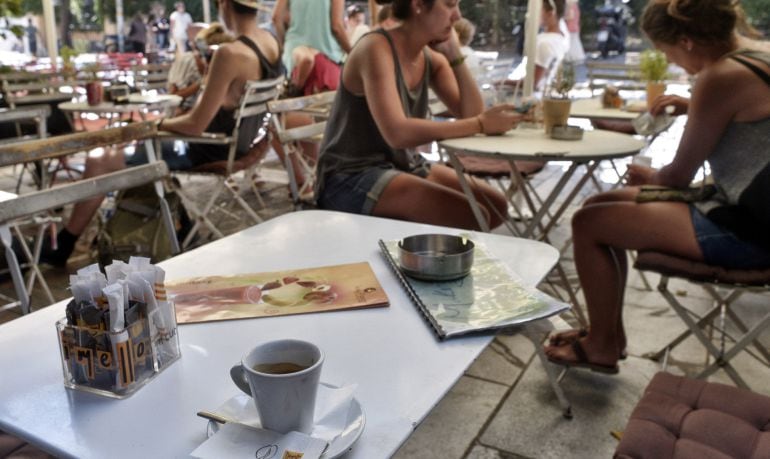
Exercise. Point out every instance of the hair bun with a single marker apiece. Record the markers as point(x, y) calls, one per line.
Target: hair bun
point(383, 2)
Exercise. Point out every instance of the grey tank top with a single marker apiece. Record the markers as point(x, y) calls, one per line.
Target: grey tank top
point(353, 143)
point(740, 167)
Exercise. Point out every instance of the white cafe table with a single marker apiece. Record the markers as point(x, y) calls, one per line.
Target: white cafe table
point(137, 103)
point(534, 145)
point(592, 109)
point(401, 368)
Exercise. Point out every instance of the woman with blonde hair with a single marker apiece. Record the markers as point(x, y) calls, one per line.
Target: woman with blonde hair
point(728, 122)
point(368, 161)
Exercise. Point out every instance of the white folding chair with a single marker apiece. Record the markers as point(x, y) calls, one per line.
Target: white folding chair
point(317, 106)
point(37, 205)
point(252, 109)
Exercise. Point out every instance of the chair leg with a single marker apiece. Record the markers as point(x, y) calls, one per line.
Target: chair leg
point(15, 269)
point(234, 190)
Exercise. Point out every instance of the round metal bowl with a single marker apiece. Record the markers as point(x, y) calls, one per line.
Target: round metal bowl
point(435, 257)
point(566, 133)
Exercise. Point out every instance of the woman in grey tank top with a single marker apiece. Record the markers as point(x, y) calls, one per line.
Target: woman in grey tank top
point(728, 121)
point(368, 163)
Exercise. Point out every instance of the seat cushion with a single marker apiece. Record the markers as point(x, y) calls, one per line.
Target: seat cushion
point(684, 418)
point(674, 266)
point(493, 167)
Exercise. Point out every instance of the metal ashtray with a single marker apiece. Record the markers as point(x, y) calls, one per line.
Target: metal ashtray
point(566, 133)
point(435, 257)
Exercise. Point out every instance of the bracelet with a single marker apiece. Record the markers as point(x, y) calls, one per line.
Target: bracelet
point(456, 61)
point(481, 125)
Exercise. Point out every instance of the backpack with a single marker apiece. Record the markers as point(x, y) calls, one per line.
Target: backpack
point(136, 228)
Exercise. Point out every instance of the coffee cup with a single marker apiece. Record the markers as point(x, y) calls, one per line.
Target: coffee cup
point(282, 377)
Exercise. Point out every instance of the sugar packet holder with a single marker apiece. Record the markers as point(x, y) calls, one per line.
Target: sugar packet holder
point(120, 330)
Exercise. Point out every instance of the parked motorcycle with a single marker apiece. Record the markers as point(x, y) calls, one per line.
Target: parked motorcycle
point(613, 23)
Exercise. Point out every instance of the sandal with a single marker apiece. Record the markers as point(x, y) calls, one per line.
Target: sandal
point(583, 362)
point(560, 339)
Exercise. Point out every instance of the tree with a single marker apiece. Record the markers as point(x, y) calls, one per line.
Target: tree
point(10, 8)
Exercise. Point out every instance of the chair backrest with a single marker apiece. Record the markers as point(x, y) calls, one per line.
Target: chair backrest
point(622, 76)
point(250, 116)
point(36, 92)
point(316, 105)
point(58, 146)
point(35, 113)
point(150, 76)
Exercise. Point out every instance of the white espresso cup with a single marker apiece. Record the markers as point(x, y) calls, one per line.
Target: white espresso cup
point(282, 377)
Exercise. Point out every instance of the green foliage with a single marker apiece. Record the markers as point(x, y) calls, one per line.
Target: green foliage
point(653, 65)
point(563, 82)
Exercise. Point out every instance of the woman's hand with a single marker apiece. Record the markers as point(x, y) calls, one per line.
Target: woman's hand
point(499, 119)
point(450, 47)
point(660, 103)
point(639, 175)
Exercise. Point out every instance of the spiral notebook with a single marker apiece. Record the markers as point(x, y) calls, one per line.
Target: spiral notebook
point(491, 297)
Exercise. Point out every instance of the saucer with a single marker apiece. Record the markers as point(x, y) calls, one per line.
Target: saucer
point(337, 447)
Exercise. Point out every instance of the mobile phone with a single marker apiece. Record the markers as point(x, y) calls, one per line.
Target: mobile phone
point(523, 108)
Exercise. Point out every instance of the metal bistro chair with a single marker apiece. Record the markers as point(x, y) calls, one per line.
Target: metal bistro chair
point(36, 206)
point(253, 105)
point(725, 286)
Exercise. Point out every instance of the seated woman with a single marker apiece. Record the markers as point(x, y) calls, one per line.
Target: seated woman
point(729, 118)
point(253, 55)
point(368, 164)
point(185, 77)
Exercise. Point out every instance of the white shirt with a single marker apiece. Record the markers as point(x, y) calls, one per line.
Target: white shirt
point(180, 22)
point(551, 49)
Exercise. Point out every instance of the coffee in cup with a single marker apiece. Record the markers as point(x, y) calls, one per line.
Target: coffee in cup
point(282, 377)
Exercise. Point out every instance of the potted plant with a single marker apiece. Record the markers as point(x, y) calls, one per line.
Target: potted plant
point(94, 88)
point(556, 102)
point(68, 64)
point(653, 68)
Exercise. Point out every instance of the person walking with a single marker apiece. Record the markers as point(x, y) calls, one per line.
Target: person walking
point(576, 53)
point(137, 34)
point(180, 20)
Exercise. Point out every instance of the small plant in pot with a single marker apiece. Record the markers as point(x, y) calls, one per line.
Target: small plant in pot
point(653, 67)
point(94, 88)
point(556, 102)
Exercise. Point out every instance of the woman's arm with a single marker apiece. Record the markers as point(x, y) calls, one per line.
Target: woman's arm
point(223, 71)
point(371, 66)
point(338, 25)
point(280, 19)
point(453, 83)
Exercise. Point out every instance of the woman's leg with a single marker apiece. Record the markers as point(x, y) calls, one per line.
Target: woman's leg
point(602, 231)
point(303, 58)
point(413, 198)
point(489, 198)
point(110, 161)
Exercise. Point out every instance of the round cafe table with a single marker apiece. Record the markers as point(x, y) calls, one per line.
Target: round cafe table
point(137, 103)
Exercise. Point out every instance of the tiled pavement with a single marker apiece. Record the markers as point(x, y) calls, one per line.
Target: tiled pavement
point(503, 407)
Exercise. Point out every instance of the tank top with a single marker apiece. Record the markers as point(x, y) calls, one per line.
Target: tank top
point(310, 26)
point(353, 143)
point(224, 120)
point(740, 167)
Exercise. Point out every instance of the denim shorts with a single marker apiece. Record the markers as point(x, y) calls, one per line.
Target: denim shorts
point(721, 247)
point(355, 193)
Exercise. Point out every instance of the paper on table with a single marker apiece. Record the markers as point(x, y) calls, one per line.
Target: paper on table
point(237, 441)
point(331, 411)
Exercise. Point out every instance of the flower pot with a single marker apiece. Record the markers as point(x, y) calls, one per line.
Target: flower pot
point(654, 90)
point(555, 113)
point(94, 92)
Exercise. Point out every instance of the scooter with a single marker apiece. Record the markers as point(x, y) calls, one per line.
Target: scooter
point(611, 34)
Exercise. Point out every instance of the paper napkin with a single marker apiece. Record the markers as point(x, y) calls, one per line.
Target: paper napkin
point(238, 441)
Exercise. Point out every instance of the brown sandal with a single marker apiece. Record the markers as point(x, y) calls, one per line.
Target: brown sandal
point(583, 362)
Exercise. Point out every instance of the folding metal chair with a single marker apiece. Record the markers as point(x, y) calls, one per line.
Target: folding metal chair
point(32, 205)
point(253, 104)
point(317, 107)
point(725, 286)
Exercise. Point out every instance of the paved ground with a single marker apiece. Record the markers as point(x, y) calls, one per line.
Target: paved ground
point(503, 407)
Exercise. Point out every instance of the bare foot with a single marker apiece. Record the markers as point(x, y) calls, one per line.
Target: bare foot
point(583, 352)
point(569, 336)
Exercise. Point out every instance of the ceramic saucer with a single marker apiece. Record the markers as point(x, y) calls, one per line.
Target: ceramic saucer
point(337, 447)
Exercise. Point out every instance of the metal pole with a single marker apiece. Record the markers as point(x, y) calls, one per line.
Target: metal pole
point(120, 26)
point(49, 25)
point(206, 12)
point(530, 43)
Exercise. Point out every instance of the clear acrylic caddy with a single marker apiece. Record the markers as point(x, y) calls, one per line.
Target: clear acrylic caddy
point(118, 363)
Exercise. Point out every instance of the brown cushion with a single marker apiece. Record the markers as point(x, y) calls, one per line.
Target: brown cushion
point(684, 418)
point(674, 266)
point(492, 167)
